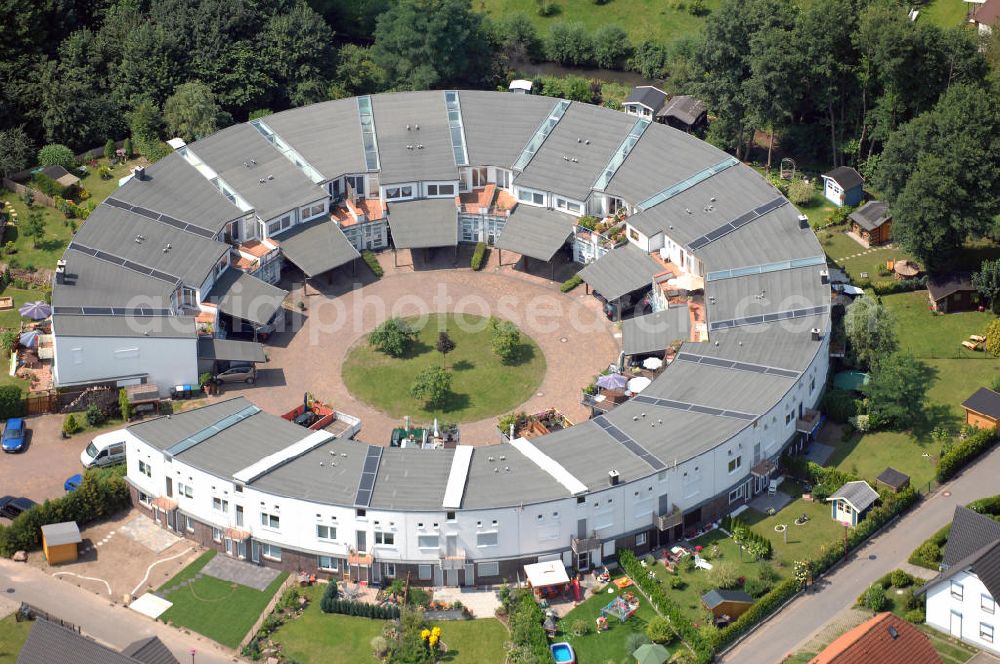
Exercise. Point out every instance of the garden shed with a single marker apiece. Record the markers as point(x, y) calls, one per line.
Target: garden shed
point(730, 603)
point(982, 409)
point(872, 223)
point(843, 186)
point(61, 175)
point(59, 542)
point(952, 292)
point(893, 479)
point(851, 502)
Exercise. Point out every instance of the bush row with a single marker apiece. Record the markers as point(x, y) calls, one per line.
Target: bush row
point(753, 543)
point(373, 263)
point(665, 606)
point(11, 401)
point(571, 283)
point(891, 286)
point(102, 493)
point(525, 619)
point(964, 452)
point(349, 607)
point(760, 610)
point(478, 255)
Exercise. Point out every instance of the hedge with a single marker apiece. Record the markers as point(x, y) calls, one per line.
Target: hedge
point(478, 255)
point(102, 493)
point(964, 452)
point(349, 607)
point(525, 621)
point(571, 283)
point(11, 402)
point(373, 263)
point(758, 546)
point(839, 405)
point(757, 612)
point(892, 286)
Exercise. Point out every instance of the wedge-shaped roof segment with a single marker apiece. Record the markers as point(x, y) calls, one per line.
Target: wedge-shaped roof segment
point(686, 184)
point(619, 157)
point(456, 478)
point(549, 465)
point(208, 432)
point(272, 461)
point(543, 131)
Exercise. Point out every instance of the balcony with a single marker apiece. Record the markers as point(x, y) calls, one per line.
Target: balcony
point(809, 421)
point(669, 520)
point(456, 561)
point(585, 544)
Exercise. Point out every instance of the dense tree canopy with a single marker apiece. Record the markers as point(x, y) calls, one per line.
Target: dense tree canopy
point(871, 331)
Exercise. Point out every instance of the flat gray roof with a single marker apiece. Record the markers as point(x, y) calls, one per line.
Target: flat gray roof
point(549, 171)
point(492, 483)
point(317, 247)
point(717, 387)
point(653, 332)
point(411, 479)
point(621, 271)
point(231, 350)
point(285, 187)
point(588, 453)
point(781, 344)
point(755, 244)
point(93, 282)
point(393, 113)
point(771, 292)
point(327, 135)
point(536, 231)
point(173, 187)
point(66, 532)
point(498, 124)
point(166, 431)
point(157, 327)
point(151, 244)
point(246, 297)
point(432, 222)
point(327, 474)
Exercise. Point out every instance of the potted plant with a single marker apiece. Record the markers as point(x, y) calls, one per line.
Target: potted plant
point(205, 381)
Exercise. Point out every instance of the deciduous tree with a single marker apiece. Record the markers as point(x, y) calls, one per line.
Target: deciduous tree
point(191, 112)
point(871, 331)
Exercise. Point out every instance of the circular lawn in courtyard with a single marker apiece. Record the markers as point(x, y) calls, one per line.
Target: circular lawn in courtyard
point(481, 384)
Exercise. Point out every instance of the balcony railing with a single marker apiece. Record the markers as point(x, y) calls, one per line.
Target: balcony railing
point(669, 520)
point(584, 544)
point(456, 561)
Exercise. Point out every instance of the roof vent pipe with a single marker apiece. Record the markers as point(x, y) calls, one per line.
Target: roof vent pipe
point(613, 477)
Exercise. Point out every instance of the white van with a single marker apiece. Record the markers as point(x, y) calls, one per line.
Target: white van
point(106, 449)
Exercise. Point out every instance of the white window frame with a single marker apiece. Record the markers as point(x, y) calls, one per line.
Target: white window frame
point(737, 494)
point(495, 536)
point(479, 176)
point(280, 224)
point(331, 533)
point(145, 468)
point(144, 499)
point(185, 490)
point(389, 570)
point(986, 632)
point(399, 192)
point(433, 189)
point(216, 535)
point(220, 504)
point(270, 521)
point(531, 197)
point(313, 211)
point(569, 205)
point(987, 603)
point(384, 538)
point(640, 539)
point(270, 551)
point(957, 590)
point(735, 463)
point(425, 572)
point(333, 566)
point(426, 546)
point(487, 569)
point(188, 524)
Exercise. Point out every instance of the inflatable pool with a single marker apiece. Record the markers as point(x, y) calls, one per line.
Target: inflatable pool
point(563, 653)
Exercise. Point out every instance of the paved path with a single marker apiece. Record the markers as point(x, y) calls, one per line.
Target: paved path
point(111, 624)
point(807, 614)
point(572, 332)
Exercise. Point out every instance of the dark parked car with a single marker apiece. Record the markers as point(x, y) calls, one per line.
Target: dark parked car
point(11, 507)
point(13, 435)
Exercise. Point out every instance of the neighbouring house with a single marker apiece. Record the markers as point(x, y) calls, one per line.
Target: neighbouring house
point(520, 86)
point(684, 112)
point(51, 642)
point(59, 542)
point(952, 292)
point(982, 409)
point(985, 16)
point(961, 599)
point(61, 175)
point(851, 502)
point(843, 186)
point(872, 223)
point(885, 639)
point(893, 479)
point(645, 101)
point(729, 604)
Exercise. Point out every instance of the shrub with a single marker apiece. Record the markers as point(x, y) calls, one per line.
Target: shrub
point(964, 452)
point(875, 598)
point(800, 192)
point(95, 416)
point(900, 579)
point(379, 646)
point(570, 283)
point(372, 262)
point(393, 337)
point(124, 407)
point(505, 339)
point(579, 627)
point(8, 339)
point(109, 149)
point(658, 630)
point(677, 583)
point(71, 425)
point(756, 587)
point(724, 575)
point(56, 154)
point(839, 405)
point(478, 255)
point(11, 401)
point(634, 641)
point(127, 148)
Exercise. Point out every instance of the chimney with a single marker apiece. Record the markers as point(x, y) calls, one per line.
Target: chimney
point(139, 172)
point(60, 271)
point(824, 276)
point(816, 334)
point(613, 477)
point(803, 221)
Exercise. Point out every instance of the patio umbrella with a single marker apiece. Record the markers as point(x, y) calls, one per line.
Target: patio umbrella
point(29, 339)
point(37, 310)
point(651, 653)
point(652, 363)
point(638, 384)
point(612, 381)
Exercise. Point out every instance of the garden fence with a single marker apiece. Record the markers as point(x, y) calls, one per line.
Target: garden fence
point(289, 582)
point(18, 188)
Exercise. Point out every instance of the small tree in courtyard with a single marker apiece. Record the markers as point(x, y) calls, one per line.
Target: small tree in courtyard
point(393, 337)
point(432, 386)
point(444, 346)
point(123, 405)
point(34, 227)
point(505, 340)
point(871, 331)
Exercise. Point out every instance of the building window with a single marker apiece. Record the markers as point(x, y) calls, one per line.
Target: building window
point(986, 632)
point(384, 538)
point(957, 591)
point(270, 551)
point(531, 197)
point(216, 535)
point(144, 499)
point(327, 563)
point(328, 533)
point(428, 541)
point(313, 211)
point(361, 514)
point(633, 234)
point(185, 490)
point(640, 539)
point(220, 505)
point(735, 494)
point(488, 569)
point(486, 539)
point(188, 524)
point(479, 177)
point(389, 570)
point(451, 516)
point(270, 521)
point(734, 464)
point(569, 206)
point(278, 225)
point(987, 604)
point(440, 190)
point(424, 572)
point(399, 192)
point(846, 508)
point(145, 469)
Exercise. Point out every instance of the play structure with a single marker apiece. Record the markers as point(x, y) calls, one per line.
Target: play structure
point(622, 607)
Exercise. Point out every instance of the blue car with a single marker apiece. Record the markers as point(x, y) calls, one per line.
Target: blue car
point(73, 482)
point(13, 435)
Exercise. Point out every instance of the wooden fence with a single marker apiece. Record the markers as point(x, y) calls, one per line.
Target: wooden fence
point(292, 580)
point(43, 401)
point(40, 198)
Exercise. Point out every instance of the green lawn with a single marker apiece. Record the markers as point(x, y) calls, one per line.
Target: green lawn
point(945, 13)
point(952, 651)
point(608, 646)
point(13, 634)
point(818, 209)
point(217, 609)
point(930, 335)
point(803, 542)
point(870, 454)
point(318, 638)
point(481, 386)
point(658, 20)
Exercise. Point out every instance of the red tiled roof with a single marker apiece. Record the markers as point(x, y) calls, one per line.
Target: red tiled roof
point(255, 248)
point(873, 641)
point(987, 13)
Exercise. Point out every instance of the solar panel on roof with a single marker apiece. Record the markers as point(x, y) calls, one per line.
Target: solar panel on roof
point(707, 410)
point(755, 368)
point(366, 484)
point(114, 202)
point(737, 223)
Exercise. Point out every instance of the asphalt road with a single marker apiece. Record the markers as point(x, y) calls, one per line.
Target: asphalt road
point(789, 630)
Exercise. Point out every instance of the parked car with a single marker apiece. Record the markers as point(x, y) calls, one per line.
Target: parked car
point(106, 449)
point(240, 373)
point(11, 507)
point(13, 435)
point(72, 482)
point(635, 303)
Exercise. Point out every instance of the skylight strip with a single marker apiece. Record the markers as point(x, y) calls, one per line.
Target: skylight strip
point(287, 151)
point(541, 134)
point(208, 432)
point(455, 127)
point(764, 268)
point(684, 185)
point(281, 457)
point(619, 157)
point(366, 116)
point(216, 181)
point(457, 476)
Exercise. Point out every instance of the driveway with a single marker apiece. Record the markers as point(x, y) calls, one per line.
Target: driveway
point(807, 614)
point(576, 338)
point(40, 470)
